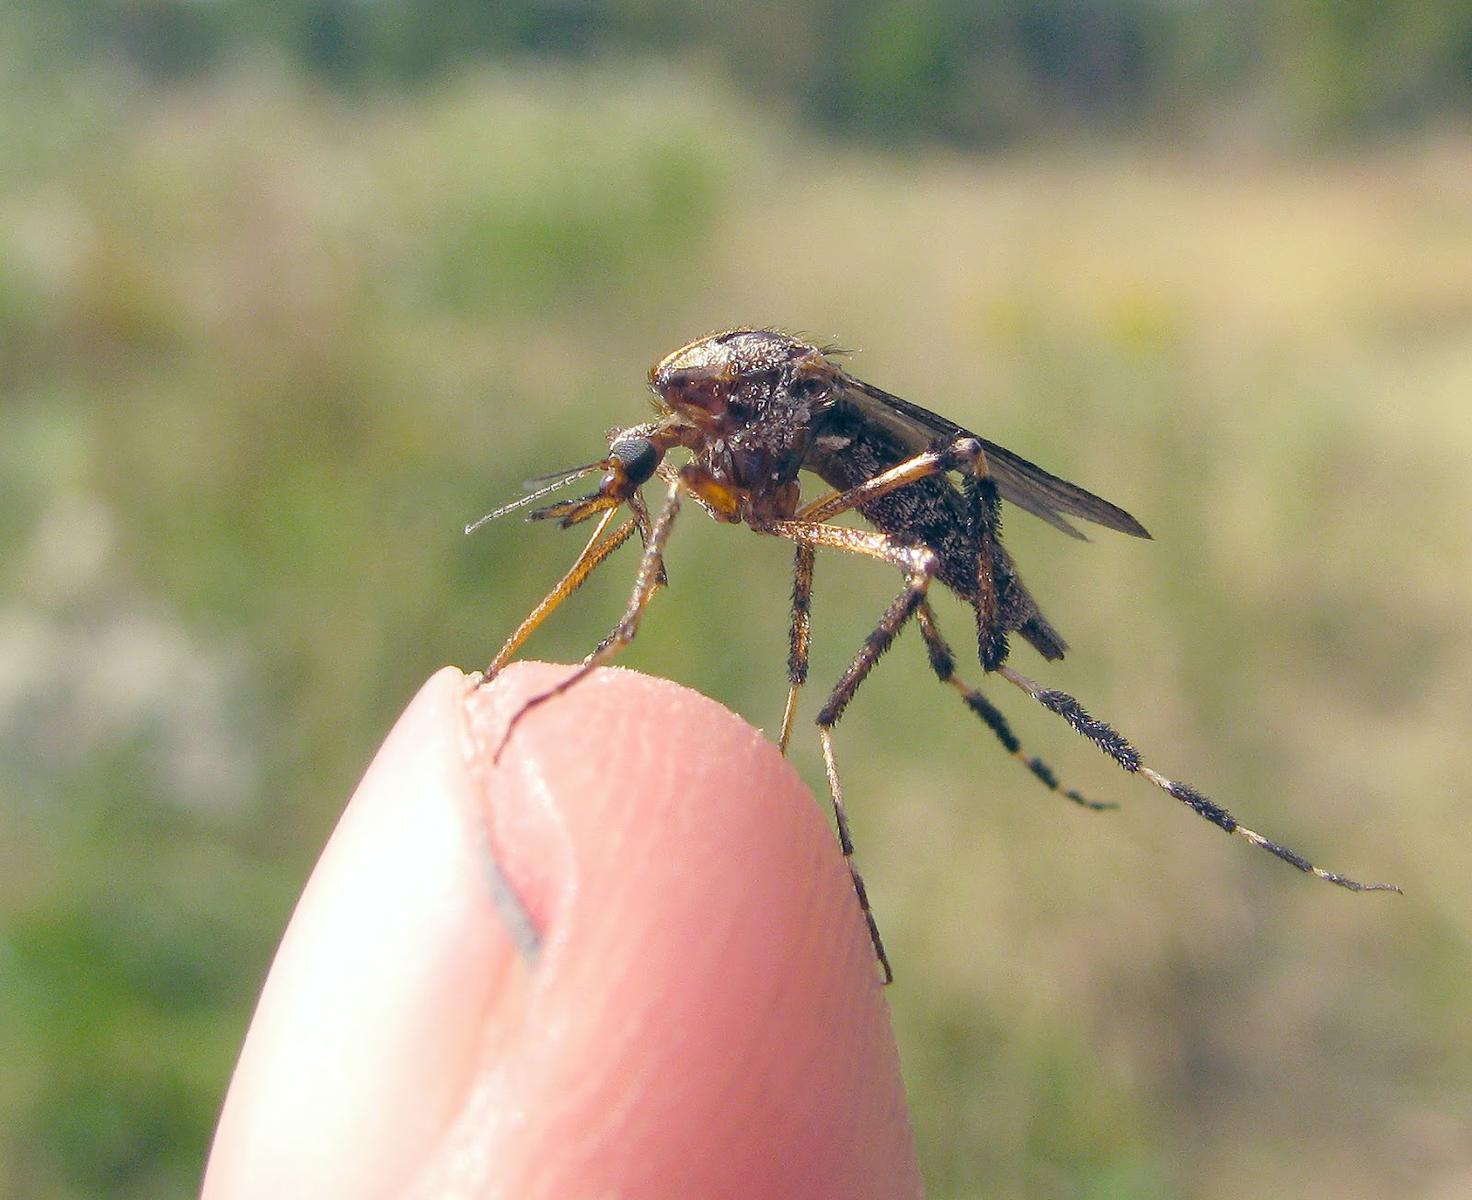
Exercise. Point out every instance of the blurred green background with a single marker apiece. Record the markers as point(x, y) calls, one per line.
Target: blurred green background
point(289, 292)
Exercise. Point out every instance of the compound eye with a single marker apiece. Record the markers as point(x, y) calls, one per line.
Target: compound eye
point(638, 456)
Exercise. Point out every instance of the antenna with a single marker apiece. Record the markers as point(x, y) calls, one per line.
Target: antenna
point(562, 480)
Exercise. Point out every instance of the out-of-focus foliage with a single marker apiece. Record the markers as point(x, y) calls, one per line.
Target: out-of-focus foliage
point(966, 71)
point(266, 343)
point(251, 335)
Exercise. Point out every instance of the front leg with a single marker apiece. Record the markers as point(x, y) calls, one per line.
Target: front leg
point(651, 570)
point(587, 562)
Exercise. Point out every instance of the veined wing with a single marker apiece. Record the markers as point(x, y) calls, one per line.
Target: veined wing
point(1025, 484)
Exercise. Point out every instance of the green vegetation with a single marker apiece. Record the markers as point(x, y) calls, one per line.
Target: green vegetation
point(966, 71)
point(265, 344)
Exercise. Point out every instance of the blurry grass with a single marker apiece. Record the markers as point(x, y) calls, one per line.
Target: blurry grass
point(267, 350)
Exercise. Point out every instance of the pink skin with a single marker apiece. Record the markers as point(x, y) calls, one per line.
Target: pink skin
point(703, 1017)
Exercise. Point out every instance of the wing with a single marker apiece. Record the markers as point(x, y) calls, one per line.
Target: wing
point(1025, 484)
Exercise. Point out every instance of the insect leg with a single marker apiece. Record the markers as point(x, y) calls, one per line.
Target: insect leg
point(797, 656)
point(646, 527)
point(1118, 748)
point(943, 663)
point(957, 457)
point(985, 505)
point(593, 554)
point(846, 845)
point(645, 584)
point(919, 564)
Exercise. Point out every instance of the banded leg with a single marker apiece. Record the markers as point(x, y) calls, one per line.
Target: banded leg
point(1118, 748)
point(584, 565)
point(846, 844)
point(797, 655)
point(919, 564)
point(921, 466)
point(651, 567)
point(943, 663)
point(964, 455)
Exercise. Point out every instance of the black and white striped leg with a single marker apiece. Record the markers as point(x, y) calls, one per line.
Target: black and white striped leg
point(846, 844)
point(919, 563)
point(1118, 748)
point(900, 611)
point(943, 663)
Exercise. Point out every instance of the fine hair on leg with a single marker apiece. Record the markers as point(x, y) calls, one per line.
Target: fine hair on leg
point(919, 565)
point(801, 636)
point(943, 663)
point(1117, 747)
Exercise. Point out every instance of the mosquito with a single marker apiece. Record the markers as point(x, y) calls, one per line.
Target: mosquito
point(756, 407)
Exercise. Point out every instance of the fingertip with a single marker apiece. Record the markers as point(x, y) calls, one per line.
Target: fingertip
point(704, 1017)
point(700, 1015)
point(360, 1049)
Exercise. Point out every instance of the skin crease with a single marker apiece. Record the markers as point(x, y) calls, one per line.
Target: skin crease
point(703, 1017)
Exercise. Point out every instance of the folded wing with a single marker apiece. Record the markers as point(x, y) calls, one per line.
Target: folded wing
point(1023, 483)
